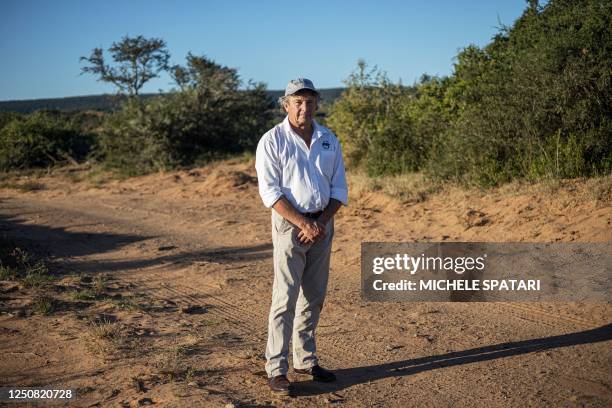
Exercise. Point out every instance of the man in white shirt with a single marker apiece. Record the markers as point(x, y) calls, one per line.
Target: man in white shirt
point(301, 176)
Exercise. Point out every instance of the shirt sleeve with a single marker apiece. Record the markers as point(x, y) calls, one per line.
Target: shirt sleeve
point(268, 171)
point(339, 189)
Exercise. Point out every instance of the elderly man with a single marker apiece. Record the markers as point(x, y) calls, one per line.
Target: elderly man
point(301, 177)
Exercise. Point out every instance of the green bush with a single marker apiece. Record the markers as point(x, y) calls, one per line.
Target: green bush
point(374, 128)
point(535, 102)
point(42, 139)
point(532, 104)
point(208, 117)
point(8, 117)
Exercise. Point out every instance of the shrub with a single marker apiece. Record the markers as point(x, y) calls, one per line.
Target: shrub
point(16, 263)
point(40, 140)
point(374, 128)
point(532, 104)
point(208, 117)
point(8, 117)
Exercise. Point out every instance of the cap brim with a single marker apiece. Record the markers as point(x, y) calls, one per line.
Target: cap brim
point(301, 89)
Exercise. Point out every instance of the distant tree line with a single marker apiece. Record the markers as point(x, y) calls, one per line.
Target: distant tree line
point(100, 103)
point(111, 103)
point(533, 103)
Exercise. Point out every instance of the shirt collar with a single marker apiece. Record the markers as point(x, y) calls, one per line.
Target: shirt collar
point(317, 130)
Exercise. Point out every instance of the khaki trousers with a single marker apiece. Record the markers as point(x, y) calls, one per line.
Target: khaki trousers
point(300, 282)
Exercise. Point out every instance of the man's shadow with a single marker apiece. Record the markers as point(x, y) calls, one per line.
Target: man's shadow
point(358, 375)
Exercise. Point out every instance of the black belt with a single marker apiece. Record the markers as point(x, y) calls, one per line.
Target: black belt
point(313, 214)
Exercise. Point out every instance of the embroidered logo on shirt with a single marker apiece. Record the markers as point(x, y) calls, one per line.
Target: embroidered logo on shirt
point(325, 145)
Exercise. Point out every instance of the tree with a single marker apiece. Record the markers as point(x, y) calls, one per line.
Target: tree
point(208, 117)
point(137, 61)
point(204, 74)
point(373, 125)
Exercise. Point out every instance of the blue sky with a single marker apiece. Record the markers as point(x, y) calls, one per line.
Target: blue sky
point(268, 41)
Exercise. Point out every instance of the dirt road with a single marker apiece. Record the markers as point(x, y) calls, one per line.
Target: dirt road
point(164, 288)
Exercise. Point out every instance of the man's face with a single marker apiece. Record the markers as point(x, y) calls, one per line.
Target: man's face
point(301, 108)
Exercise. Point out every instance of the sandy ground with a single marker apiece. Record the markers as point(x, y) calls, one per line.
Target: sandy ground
point(180, 264)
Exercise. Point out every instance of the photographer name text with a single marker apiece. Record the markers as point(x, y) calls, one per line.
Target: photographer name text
point(458, 285)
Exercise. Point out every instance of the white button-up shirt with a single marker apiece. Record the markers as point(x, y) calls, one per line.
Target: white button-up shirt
point(308, 178)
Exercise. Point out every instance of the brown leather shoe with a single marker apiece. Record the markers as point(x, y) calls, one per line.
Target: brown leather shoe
point(318, 373)
point(280, 385)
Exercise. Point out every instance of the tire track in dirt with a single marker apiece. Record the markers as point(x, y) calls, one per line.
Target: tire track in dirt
point(536, 315)
point(243, 319)
point(222, 309)
point(248, 322)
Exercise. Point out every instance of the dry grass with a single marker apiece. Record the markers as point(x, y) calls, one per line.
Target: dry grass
point(600, 189)
point(407, 188)
point(37, 275)
point(106, 329)
point(44, 305)
point(130, 302)
point(573, 191)
point(24, 180)
point(18, 264)
point(107, 336)
point(84, 294)
point(127, 303)
point(6, 272)
point(174, 362)
point(25, 187)
point(173, 365)
point(100, 285)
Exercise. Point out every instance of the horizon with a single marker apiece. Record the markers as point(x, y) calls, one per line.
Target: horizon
point(141, 94)
point(404, 39)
